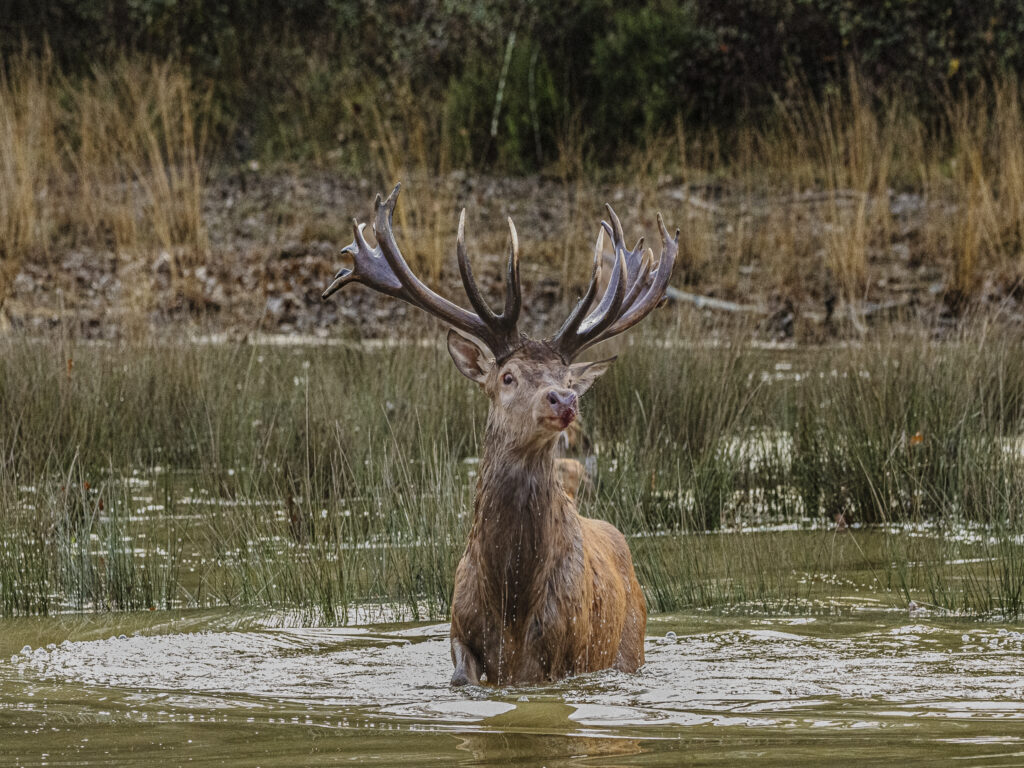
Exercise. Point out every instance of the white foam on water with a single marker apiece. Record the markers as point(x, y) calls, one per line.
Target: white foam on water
point(752, 675)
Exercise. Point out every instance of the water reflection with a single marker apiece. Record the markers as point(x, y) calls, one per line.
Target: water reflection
point(713, 683)
point(546, 728)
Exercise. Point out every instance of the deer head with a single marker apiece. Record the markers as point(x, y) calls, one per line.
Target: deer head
point(533, 385)
point(534, 394)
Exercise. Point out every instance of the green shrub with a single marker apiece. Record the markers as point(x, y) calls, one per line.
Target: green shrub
point(618, 73)
point(646, 69)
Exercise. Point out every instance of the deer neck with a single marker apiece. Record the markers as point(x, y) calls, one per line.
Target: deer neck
point(515, 488)
point(523, 521)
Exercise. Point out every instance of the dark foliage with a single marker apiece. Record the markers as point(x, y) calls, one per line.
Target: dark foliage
point(621, 72)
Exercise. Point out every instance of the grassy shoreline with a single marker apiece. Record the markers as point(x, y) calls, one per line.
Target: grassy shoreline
point(162, 474)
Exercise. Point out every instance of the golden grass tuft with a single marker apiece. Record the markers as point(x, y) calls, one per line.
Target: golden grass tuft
point(28, 160)
point(137, 156)
point(115, 161)
point(987, 173)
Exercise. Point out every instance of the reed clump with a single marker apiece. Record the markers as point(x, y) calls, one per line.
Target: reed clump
point(162, 474)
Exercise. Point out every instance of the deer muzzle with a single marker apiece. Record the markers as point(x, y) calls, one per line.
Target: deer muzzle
point(564, 406)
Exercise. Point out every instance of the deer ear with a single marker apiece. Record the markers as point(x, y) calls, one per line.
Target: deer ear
point(471, 360)
point(585, 374)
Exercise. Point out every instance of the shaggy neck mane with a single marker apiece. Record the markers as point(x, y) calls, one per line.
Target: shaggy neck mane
point(515, 485)
point(520, 520)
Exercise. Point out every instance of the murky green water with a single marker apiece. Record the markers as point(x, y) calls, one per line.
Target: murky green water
point(225, 689)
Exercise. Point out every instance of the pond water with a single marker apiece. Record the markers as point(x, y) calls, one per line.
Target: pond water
point(201, 687)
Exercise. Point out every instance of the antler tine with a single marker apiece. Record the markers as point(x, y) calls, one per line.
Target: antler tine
point(631, 269)
point(644, 271)
point(619, 280)
point(472, 292)
point(572, 323)
point(503, 326)
point(513, 293)
point(619, 239)
point(368, 268)
point(384, 269)
point(616, 225)
point(607, 312)
point(653, 295)
point(634, 258)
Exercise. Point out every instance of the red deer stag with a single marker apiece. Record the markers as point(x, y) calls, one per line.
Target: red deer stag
point(541, 592)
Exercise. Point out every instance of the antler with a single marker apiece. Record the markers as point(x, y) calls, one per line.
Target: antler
point(385, 270)
point(634, 289)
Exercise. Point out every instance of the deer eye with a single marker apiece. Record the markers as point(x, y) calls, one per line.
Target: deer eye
point(508, 378)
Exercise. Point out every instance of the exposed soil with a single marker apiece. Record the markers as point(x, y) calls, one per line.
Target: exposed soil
point(274, 242)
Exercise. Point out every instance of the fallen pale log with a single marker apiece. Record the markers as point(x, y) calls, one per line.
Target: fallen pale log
point(879, 307)
point(710, 302)
point(693, 201)
point(865, 310)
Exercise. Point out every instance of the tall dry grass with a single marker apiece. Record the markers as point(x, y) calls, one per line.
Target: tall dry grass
point(116, 161)
point(808, 199)
point(28, 154)
point(409, 144)
point(848, 144)
point(800, 204)
point(986, 173)
point(136, 147)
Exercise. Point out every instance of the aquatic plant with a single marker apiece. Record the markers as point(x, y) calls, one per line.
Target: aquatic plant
point(157, 474)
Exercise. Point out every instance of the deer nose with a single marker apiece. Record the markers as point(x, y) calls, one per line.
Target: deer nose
point(563, 405)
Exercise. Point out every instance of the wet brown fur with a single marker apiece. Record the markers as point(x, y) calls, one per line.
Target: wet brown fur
point(571, 474)
point(541, 592)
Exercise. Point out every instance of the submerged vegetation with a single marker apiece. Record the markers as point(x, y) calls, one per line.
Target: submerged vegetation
point(159, 474)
